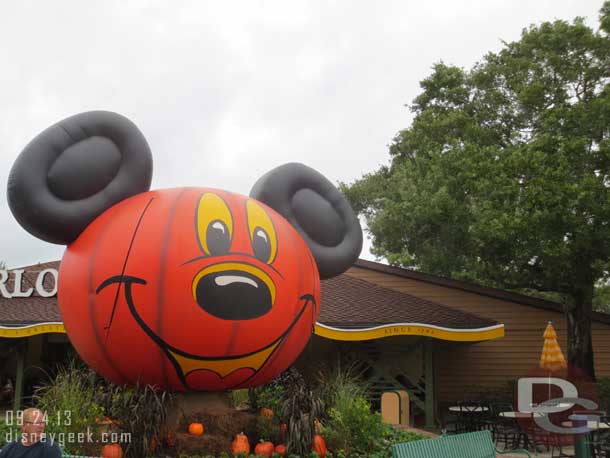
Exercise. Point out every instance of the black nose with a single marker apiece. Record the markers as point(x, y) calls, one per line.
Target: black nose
point(233, 295)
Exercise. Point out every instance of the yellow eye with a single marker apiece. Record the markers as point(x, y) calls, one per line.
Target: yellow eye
point(214, 225)
point(262, 233)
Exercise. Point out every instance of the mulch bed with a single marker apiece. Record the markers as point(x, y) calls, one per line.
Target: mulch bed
point(221, 427)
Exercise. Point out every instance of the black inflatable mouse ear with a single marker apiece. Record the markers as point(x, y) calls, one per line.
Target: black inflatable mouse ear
point(318, 211)
point(76, 169)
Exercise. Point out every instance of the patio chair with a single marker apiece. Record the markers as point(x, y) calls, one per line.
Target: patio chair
point(485, 419)
point(453, 424)
point(459, 422)
point(506, 430)
point(602, 450)
point(555, 443)
point(474, 415)
point(600, 439)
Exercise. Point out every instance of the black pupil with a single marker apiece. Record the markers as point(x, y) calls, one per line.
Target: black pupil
point(261, 244)
point(218, 238)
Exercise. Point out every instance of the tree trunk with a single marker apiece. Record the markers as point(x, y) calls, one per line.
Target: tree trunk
point(580, 344)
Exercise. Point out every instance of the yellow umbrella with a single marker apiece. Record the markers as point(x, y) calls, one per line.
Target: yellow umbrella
point(552, 358)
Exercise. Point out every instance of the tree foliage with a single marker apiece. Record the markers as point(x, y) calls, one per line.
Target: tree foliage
point(601, 299)
point(503, 176)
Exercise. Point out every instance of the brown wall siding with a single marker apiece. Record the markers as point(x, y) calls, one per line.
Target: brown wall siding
point(490, 364)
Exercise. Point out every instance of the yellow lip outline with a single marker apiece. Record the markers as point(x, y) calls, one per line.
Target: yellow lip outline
point(173, 354)
point(225, 367)
point(243, 267)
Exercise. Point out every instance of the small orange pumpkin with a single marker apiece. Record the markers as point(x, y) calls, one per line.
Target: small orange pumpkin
point(283, 431)
point(170, 439)
point(153, 443)
point(240, 444)
point(112, 451)
point(319, 446)
point(264, 448)
point(280, 450)
point(196, 429)
point(267, 413)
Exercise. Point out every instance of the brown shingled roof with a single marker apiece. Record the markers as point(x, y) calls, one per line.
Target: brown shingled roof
point(352, 303)
point(347, 302)
point(473, 288)
point(40, 266)
point(28, 310)
point(34, 309)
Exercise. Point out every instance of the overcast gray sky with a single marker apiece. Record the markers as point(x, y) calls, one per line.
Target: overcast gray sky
point(225, 91)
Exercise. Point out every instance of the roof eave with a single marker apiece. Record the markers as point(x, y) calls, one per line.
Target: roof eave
point(472, 288)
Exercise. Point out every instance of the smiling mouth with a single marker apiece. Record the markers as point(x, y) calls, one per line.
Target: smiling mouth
point(187, 364)
point(225, 366)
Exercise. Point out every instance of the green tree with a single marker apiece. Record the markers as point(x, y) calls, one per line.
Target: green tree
point(503, 176)
point(601, 299)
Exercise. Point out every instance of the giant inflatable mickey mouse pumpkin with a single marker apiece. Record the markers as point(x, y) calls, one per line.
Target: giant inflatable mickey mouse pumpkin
point(186, 288)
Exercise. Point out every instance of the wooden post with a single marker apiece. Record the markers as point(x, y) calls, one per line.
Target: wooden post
point(21, 350)
point(429, 376)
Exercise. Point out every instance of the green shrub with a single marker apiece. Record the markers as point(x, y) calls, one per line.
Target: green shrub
point(300, 408)
point(70, 405)
point(77, 400)
point(358, 433)
point(340, 385)
point(140, 412)
point(9, 431)
point(239, 398)
point(267, 396)
point(268, 429)
point(352, 427)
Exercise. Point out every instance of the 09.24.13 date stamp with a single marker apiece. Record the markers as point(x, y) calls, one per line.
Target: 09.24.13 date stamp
point(59, 418)
point(63, 427)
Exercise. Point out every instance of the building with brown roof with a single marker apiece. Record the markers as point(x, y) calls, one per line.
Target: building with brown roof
point(435, 337)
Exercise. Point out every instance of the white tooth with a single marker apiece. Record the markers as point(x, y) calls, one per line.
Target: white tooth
point(223, 280)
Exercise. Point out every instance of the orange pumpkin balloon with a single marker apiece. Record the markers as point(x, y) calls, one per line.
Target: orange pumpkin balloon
point(196, 429)
point(240, 444)
point(280, 450)
point(217, 289)
point(112, 451)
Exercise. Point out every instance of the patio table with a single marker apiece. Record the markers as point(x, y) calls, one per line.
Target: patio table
point(563, 405)
point(511, 414)
point(591, 424)
point(469, 417)
point(468, 409)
